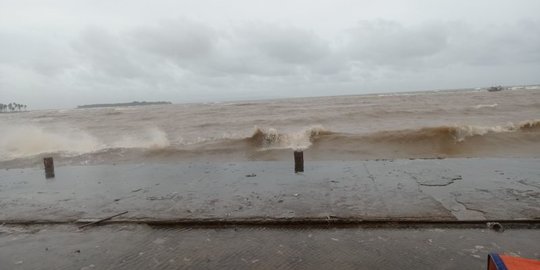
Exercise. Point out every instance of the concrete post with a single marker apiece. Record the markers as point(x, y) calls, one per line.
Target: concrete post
point(298, 161)
point(49, 167)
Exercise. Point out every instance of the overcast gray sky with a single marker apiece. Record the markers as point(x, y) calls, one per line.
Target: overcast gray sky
point(63, 53)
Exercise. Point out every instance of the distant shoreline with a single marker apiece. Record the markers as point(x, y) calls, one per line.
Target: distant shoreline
point(14, 112)
point(135, 103)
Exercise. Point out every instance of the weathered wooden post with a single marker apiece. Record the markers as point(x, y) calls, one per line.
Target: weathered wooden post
point(49, 167)
point(298, 161)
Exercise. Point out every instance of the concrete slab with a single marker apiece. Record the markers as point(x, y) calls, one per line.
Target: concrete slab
point(449, 189)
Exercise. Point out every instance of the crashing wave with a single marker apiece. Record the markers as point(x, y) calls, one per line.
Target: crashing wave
point(270, 138)
point(454, 140)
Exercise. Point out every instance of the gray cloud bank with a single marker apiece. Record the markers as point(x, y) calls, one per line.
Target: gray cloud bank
point(185, 60)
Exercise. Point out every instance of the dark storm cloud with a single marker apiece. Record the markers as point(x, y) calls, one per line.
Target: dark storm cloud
point(435, 44)
point(107, 53)
point(270, 50)
point(275, 50)
point(383, 42)
point(45, 55)
point(496, 44)
point(184, 59)
point(250, 49)
point(176, 40)
point(285, 44)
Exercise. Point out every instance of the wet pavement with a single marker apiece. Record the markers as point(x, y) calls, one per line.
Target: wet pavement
point(448, 190)
point(144, 247)
point(445, 189)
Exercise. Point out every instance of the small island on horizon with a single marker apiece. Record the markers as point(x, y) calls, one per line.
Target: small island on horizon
point(134, 103)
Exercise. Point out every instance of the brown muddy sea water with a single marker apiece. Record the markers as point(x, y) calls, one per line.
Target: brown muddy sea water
point(471, 123)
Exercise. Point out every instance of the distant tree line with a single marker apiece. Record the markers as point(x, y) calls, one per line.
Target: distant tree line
point(12, 107)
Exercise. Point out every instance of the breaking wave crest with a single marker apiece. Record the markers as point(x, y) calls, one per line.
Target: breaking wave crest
point(150, 138)
point(268, 143)
point(271, 139)
point(454, 133)
point(480, 106)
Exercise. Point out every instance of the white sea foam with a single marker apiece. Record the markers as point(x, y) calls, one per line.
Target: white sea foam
point(462, 132)
point(480, 106)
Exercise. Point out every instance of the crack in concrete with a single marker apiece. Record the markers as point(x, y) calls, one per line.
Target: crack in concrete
point(448, 180)
point(451, 181)
point(523, 182)
point(469, 208)
point(370, 176)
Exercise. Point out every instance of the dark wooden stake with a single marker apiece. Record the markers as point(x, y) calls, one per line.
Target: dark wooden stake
point(49, 167)
point(298, 161)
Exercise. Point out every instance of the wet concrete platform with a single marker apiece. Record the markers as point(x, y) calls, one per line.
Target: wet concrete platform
point(144, 247)
point(446, 189)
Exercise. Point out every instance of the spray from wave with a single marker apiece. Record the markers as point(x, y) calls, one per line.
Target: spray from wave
point(270, 138)
point(153, 138)
point(23, 141)
point(29, 140)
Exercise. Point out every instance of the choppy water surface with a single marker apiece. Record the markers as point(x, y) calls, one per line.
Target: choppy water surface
point(473, 123)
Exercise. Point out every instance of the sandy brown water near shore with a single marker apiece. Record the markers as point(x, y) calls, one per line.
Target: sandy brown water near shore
point(409, 125)
point(522, 140)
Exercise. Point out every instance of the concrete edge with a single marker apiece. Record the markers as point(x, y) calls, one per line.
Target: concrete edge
point(303, 222)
